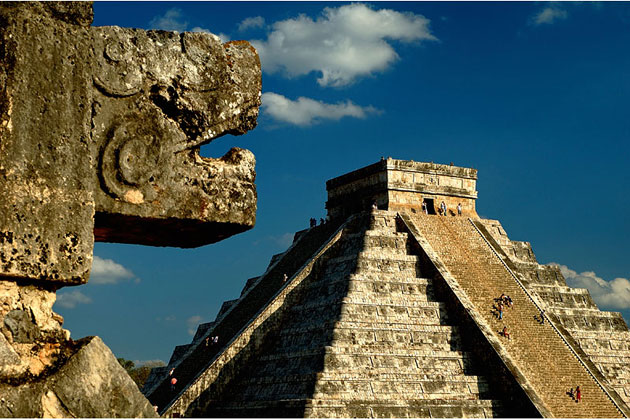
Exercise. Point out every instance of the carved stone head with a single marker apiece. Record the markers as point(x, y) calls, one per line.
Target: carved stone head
point(100, 130)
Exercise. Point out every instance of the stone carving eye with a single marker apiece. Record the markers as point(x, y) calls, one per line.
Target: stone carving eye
point(131, 156)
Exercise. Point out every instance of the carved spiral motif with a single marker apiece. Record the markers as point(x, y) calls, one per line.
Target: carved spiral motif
point(117, 71)
point(131, 158)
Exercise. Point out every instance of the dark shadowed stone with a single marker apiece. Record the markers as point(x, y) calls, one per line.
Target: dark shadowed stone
point(8, 356)
point(22, 327)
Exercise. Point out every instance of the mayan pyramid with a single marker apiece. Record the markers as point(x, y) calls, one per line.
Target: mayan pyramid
point(391, 312)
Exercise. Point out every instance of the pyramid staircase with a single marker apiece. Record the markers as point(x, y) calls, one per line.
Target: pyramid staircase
point(392, 315)
point(602, 336)
point(357, 331)
point(537, 353)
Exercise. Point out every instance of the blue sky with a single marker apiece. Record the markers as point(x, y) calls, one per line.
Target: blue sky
point(534, 95)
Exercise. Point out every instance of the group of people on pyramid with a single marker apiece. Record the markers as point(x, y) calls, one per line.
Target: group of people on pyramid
point(442, 209)
point(504, 301)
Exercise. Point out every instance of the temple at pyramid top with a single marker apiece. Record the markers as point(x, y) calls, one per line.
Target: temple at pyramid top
point(403, 185)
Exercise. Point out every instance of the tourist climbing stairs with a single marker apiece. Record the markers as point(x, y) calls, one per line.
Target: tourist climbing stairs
point(234, 316)
point(362, 335)
point(547, 364)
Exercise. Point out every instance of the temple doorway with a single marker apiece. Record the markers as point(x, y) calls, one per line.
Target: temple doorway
point(430, 206)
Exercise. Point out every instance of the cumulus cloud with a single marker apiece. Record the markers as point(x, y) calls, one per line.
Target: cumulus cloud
point(192, 323)
point(224, 38)
point(251, 22)
point(549, 15)
point(614, 294)
point(172, 20)
point(342, 44)
point(105, 271)
point(200, 29)
point(306, 111)
point(71, 299)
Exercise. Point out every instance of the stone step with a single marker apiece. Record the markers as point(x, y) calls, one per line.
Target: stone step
point(556, 288)
point(482, 277)
point(358, 389)
point(412, 307)
point(444, 340)
point(386, 240)
point(380, 292)
point(398, 326)
point(424, 368)
point(378, 255)
point(606, 352)
point(409, 379)
point(621, 336)
point(359, 353)
point(406, 409)
point(325, 408)
point(381, 299)
point(375, 289)
point(388, 277)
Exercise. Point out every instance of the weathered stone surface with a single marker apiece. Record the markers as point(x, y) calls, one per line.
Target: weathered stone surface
point(31, 328)
point(46, 167)
point(91, 383)
point(159, 96)
point(403, 185)
point(100, 130)
point(8, 356)
point(21, 326)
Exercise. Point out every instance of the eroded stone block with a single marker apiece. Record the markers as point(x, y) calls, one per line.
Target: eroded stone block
point(100, 130)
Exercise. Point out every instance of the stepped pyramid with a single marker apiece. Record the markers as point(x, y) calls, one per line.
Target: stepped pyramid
point(391, 312)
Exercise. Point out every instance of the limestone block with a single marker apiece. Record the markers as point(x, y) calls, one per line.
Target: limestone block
point(100, 130)
point(46, 183)
point(90, 384)
point(159, 96)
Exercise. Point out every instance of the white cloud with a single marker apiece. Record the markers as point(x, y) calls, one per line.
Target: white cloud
point(549, 15)
point(173, 20)
point(105, 271)
point(342, 44)
point(614, 294)
point(200, 29)
point(170, 21)
point(71, 299)
point(306, 111)
point(192, 324)
point(251, 22)
point(224, 38)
